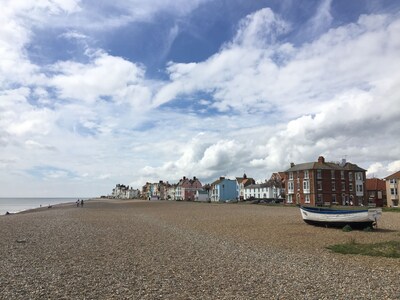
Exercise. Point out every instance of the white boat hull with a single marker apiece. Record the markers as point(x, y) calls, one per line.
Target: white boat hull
point(340, 218)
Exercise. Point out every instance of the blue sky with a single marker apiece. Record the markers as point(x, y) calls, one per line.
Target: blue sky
point(95, 93)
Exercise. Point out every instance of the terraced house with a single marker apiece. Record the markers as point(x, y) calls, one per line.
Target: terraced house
point(325, 183)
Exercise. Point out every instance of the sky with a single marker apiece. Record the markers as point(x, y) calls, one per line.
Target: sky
point(95, 93)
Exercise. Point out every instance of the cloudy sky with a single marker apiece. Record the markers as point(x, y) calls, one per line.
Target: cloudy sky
point(95, 92)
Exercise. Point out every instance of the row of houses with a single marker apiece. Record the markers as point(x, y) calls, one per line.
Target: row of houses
point(122, 191)
point(222, 189)
point(312, 183)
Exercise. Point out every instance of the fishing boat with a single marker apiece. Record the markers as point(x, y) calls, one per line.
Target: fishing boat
point(328, 217)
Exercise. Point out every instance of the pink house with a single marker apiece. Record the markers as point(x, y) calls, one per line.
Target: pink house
point(186, 189)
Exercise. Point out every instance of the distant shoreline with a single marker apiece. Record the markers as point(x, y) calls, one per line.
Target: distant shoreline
point(19, 205)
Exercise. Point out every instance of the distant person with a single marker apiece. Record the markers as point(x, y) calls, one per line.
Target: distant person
point(77, 203)
point(82, 202)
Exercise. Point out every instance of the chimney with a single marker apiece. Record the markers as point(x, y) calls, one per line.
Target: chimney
point(343, 162)
point(321, 159)
point(292, 164)
point(221, 178)
point(194, 178)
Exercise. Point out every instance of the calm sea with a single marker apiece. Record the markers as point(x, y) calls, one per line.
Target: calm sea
point(14, 205)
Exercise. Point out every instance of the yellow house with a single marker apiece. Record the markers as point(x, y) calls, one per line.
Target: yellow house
point(392, 189)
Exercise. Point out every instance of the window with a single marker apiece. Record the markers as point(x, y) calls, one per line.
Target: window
point(290, 199)
point(290, 186)
point(350, 187)
point(393, 191)
point(393, 181)
point(291, 175)
point(319, 185)
point(319, 198)
point(333, 186)
point(307, 198)
point(350, 176)
point(298, 183)
point(319, 174)
point(306, 174)
point(359, 188)
point(359, 176)
point(343, 186)
point(341, 174)
point(306, 185)
point(332, 174)
point(333, 198)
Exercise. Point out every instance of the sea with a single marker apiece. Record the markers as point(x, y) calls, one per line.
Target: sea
point(14, 205)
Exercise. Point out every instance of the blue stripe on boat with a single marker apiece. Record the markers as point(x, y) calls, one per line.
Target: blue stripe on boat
point(332, 211)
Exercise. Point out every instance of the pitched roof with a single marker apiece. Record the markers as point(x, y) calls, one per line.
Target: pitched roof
point(322, 165)
point(375, 184)
point(258, 185)
point(245, 181)
point(394, 176)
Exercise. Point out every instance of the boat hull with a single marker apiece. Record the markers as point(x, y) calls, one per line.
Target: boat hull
point(354, 225)
point(340, 218)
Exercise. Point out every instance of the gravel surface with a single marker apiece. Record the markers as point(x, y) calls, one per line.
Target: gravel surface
point(113, 249)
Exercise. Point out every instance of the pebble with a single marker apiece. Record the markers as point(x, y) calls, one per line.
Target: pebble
point(180, 250)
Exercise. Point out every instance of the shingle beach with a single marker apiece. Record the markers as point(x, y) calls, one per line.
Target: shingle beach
point(111, 249)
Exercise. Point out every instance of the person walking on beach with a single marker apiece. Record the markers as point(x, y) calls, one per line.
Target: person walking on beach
point(77, 203)
point(82, 202)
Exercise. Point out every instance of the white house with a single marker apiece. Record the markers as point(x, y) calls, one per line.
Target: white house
point(202, 196)
point(262, 191)
point(124, 192)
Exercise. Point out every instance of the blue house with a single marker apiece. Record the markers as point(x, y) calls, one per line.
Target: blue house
point(223, 189)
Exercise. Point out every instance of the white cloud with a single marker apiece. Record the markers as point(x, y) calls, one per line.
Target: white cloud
point(394, 166)
point(260, 29)
point(279, 77)
point(277, 102)
point(104, 76)
point(321, 21)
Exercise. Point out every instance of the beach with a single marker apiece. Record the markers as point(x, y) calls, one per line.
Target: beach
point(133, 249)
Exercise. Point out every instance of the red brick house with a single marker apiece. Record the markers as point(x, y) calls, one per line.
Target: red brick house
point(325, 183)
point(376, 191)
